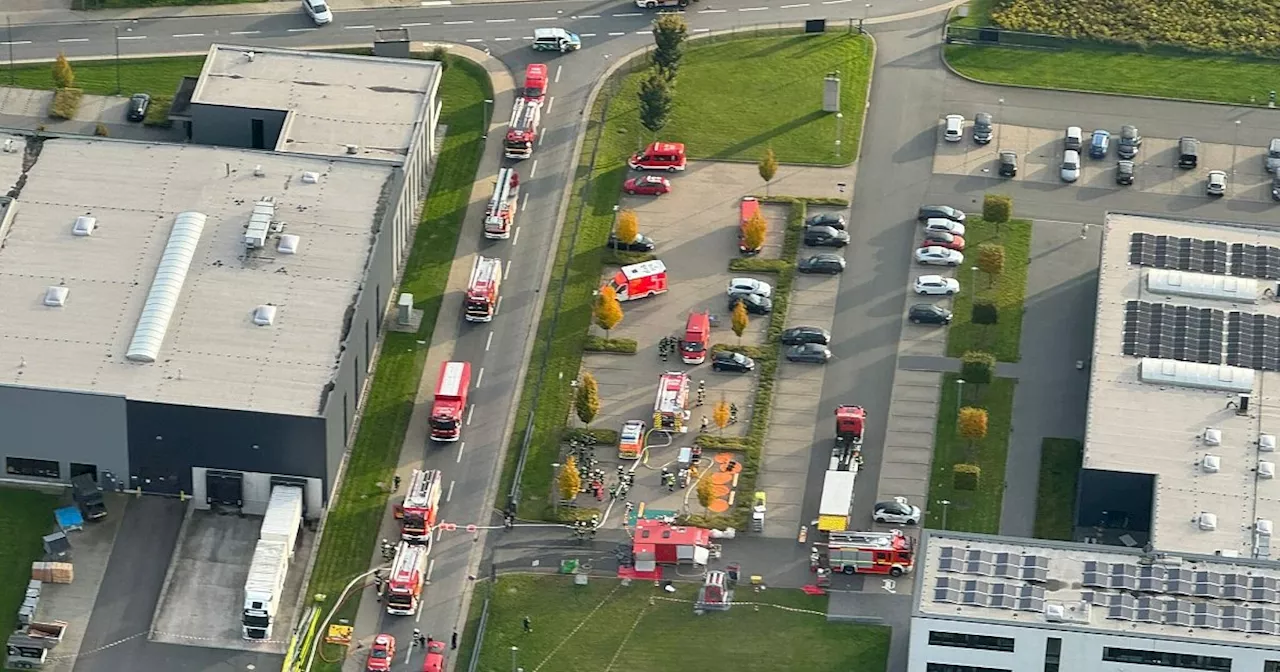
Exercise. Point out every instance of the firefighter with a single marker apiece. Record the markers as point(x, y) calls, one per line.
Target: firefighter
point(395, 483)
point(528, 624)
point(705, 423)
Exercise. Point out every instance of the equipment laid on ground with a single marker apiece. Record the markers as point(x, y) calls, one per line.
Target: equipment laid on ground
point(28, 648)
point(264, 587)
point(758, 509)
point(408, 574)
point(716, 593)
point(53, 572)
point(421, 506)
point(88, 497)
point(339, 635)
point(865, 553)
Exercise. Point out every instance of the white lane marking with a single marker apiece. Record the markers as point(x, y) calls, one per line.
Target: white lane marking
point(803, 4)
point(85, 39)
point(472, 40)
point(589, 16)
point(449, 495)
point(357, 27)
point(527, 37)
point(541, 137)
point(439, 533)
point(414, 25)
point(15, 43)
point(488, 343)
point(416, 619)
point(302, 30)
point(836, 2)
point(619, 16)
point(133, 37)
point(616, 34)
point(461, 446)
point(642, 32)
point(501, 39)
point(505, 274)
point(457, 23)
point(533, 170)
point(408, 652)
point(184, 35)
point(752, 9)
point(479, 378)
point(701, 30)
point(499, 20)
point(515, 240)
point(558, 69)
point(431, 566)
point(472, 411)
point(245, 32)
point(435, 3)
point(543, 18)
point(586, 35)
point(524, 203)
point(712, 11)
point(550, 102)
point(498, 306)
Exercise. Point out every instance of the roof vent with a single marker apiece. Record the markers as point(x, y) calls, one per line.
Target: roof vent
point(353, 149)
point(1267, 443)
point(1227, 553)
point(258, 171)
point(1207, 521)
point(1054, 613)
point(310, 177)
point(255, 234)
point(1211, 464)
point(84, 226)
point(1266, 469)
point(1212, 437)
point(1069, 612)
point(288, 244)
point(56, 296)
point(264, 316)
point(8, 146)
point(166, 287)
point(1262, 526)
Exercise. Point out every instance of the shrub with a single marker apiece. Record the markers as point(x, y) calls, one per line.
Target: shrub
point(758, 265)
point(991, 260)
point(63, 76)
point(587, 402)
point(158, 112)
point(439, 54)
point(66, 102)
point(100, 130)
point(977, 367)
point(996, 208)
point(965, 477)
point(569, 481)
point(603, 437)
point(972, 424)
point(617, 346)
point(608, 310)
point(985, 313)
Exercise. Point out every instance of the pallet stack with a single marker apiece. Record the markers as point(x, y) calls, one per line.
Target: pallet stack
point(53, 572)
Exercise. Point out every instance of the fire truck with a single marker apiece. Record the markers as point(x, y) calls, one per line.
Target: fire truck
point(450, 401)
point(671, 408)
point(502, 205)
point(638, 281)
point(404, 583)
point(482, 291)
point(850, 424)
point(421, 506)
point(865, 553)
point(535, 81)
point(523, 129)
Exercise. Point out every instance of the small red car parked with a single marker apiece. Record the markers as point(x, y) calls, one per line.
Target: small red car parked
point(943, 239)
point(381, 654)
point(435, 657)
point(649, 185)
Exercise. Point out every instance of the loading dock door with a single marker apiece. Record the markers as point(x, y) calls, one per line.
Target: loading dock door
point(225, 488)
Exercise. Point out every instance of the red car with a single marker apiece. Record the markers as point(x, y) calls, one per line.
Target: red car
point(649, 185)
point(382, 653)
point(943, 239)
point(435, 657)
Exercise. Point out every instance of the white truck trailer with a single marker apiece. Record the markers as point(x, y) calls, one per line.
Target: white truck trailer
point(284, 516)
point(263, 588)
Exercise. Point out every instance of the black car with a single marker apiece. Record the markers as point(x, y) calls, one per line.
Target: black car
point(1129, 142)
point(640, 244)
point(939, 212)
point(1124, 172)
point(1008, 164)
point(825, 236)
point(802, 335)
point(928, 313)
point(1275, 188)
point(138, 105)
point(834, 220)
point(732, 361)
point(813, 353)
point(829, 264)
point(756, 304)
point(982, 128)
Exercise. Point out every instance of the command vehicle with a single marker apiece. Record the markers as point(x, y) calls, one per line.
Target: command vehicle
point(535, 82)
point(659, 156)
point(836, 506)
point(522, 130)
point(482, 290)
point(405, 581)
point(631, 440)
point(501, 211)
point(865, 553)
point(450, 401)
point(748, 209)
point(638, 281)
point(421, 506)
point(381, 654)
point(555, 39)
point(660, 543)
point(671, 408)
point(697, 338)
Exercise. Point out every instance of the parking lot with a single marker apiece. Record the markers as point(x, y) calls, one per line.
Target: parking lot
point(29, 109)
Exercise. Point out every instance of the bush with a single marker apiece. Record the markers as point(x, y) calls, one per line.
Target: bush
point(440, 55)
point(66, 102)
point(758, 265)
point(603, 437)
point(158, 112)
point(617, 346)
point(100, 130)
point(997, 209)
point(965, 477)
point(977, 367)
point(985, 312)
point(752, 351)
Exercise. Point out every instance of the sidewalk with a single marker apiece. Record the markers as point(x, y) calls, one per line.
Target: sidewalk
point(60, 11)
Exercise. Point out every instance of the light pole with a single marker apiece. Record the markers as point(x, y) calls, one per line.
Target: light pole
point(973, 278)
point(1234, 145)
point(959, 395)
point(485, 131)
point(839, 130)
point(999, 120)
point(117, 29)
point(555, 487)
point(866, 12)
point(945, 503)
point(8, 25)
point(514, 649)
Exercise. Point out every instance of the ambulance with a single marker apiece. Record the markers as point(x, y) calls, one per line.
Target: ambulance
point(637, 281)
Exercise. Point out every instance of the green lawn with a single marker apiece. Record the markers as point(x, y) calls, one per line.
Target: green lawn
point(1008, 291)
point(979, 14)
point(25, 516)
point(605, 626)
point(157, 76)
point(1056, 500)
point(1221, 79)
point(351, 528)
point(977, 510)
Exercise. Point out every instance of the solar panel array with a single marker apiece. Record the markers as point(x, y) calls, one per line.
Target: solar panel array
point(1168, 331)
point(1192, 614)
point(976, 562)
point(1255, 261)
point(994, 594)
point(1177, 253)
point(1181, 581)
point(1253, 341)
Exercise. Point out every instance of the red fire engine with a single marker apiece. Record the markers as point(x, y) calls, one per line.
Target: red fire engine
point(850, 424)
point(523, 128)
point(535, 81)
point(450, 401)
point(659, 543)
point(482, 290)
point(404, 583)
point(865, 553)
point(641, 280)
point(421, 506)
point(671, 407)
point(501, 211)
point(697, 338)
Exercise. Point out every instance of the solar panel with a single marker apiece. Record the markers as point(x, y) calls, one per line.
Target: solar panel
point(1234, 618)
point(1088, 596)
point(974, 593)
point(1124, 576)
point(1208, 584)
point(1031, 598)
point(1183, 254)
point(1255, 261)
point(1263, 589)
point(978, 563)
point(1235, 587)
point(1253, 341)
point(1169, 331)
point(1179, 581)
point(1003, 596)
point(1263, 621)
point(1206, 615)
point(945, 590)
point(1122, 608)
point(949, 559)
point(1149, 610)
point(1095, 574)
point(1035, 568)
point(1178, 612)
point(1006, 565)
point(1151, 578)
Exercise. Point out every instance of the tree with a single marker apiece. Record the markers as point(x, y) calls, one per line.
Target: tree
point(997, 209)
point(985, 313)
point(720, 415)
point(739, 319)
point(587, 404)
point(972, 424)
point(706, 493)
point(655, 101)
point(753, 235)
point(669, 33)
point(768, 168)
point(628, 227)
point(608, 310)
point(977, 368)
point(569, 481)
point(991, 260)
point(63, 76)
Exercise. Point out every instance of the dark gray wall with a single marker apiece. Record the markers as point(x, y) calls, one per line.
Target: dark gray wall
point(64, 426)
point(232, 126)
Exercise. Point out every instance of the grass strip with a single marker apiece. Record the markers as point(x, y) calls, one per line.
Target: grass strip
point(25, 516)
point(976, 510)
point(1056, 497)
point(156, 76)
point(1008, 291)
point(617, 346)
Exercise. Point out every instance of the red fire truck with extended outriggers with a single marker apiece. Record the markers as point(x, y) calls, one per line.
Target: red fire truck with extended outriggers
point(421, 506)
point(482, 291)
point(889, 553)
point(450, 401)
point(501, 212)
point(405, 581)
point(522, 131)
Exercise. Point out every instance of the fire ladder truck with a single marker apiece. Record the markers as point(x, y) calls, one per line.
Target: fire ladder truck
point(850, 424)
point(408, 574)
point(421, 507)
point(482, 290)
point(864, 553)
point(502, 205)
point(523, 129)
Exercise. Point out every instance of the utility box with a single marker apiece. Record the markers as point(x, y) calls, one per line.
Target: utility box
point(831, 92)
point(391, 43)
point(404, 308)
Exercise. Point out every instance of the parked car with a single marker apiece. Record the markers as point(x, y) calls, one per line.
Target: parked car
point(1124, 172)
point(940, 212)
point(1070, 166)
point(138, 104)
point(954, 128)
point(749, 286)
point(982, 128)
point(732, 361)
point(1272, 160)
point(640, 243)
point(756, 304)
point(802, 335)
point(825, 263)
point(947, 225)
point(1216, 185)
point(825, 236)
point(812, 353)
point(648, 185)
point(943, 239)
point(318, 11)
point(1073, 139)
point(1188, 152)
point(896, 512)
point(928, 313)
point(1008, 164)
point(936, 255)
point(1129, 143)
point(834, 220)
point(1275, 188)
point(936, 285)
point(381, 654)
point(1099, 145)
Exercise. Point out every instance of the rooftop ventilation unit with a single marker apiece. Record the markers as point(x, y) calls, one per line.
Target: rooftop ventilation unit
point(1191, 374)
point(353, 149)
point(310, 177)
point(288, 244)
point(1266, 469)
point(8, 146)
point(84, 226)
point(1211, 464)
point(166, 287)
point(56, 296)
point(1227, 553)
point(264, 316)
point(258, 171)
point(1066, 612)
point(255, 235)
point(250, 55)
point(1267, 443)
point(1212, 437)
point(1262, 526)
point(1206, 521)
point(1166, 282)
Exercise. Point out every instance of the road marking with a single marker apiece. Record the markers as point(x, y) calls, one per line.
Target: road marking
point(462, 445)
point(414, 25)
point(473, 40)
point(586, 35)
point(449, 495)
point(498, 306)
point(616, 34)
point(499, 20)
point(488, 343)
point(430, 568)
point(836, 2)
point(619, 16)
point(15, 43)
point(533, 170)
point(803, 4)
point(752, 9)
point(701, 30)
point(133, 37)
point(479, 378)
point(457, 23)
point(435, 3)
point(543, 18)
point(550, 102)
point(501, 39)
point(589, 16)
point(85, 39)
point(712, 11)
point(524, 202)
point(471, 411)
point(417, 618)
point(505, 274)
point(302, 30)
point(245, 32)
point(439, 533)
point(515, 240)
point(558, 69)
point(527, 37)
point(357, 27)
point(178, 35)
point(541, 137)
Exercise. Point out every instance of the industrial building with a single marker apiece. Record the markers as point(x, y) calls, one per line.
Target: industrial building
point(202, 317)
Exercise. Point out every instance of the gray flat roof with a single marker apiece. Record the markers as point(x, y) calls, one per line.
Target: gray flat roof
point(335, 99)
point(1090, 587)
point(212, 354)
point(1160, 429)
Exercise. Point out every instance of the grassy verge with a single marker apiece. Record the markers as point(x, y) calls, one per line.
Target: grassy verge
point(65, 104)
point(25, 516)
point(1007, 291)
point(617, 346)
point(1056, 499)
point(976, 510)
point(158, 112)
point(1223, 79)
point(625, 629)
point(156, 76)
point(979, 14)
point(352, 524)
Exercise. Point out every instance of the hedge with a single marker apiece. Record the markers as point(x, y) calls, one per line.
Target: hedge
point(617, 346)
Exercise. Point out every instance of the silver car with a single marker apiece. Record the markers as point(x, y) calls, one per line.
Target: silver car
point(936, 255)
point(1216, 185)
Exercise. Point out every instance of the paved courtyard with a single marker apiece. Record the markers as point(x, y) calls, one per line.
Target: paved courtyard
point(29, 109)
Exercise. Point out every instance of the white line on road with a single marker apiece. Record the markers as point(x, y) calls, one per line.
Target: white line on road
point(505, 274)
point(524, 203)
point(803, 4)
point(497, 307)
point(133, 37)
point(712, 11)
point(616, 34)
point(701, 30)
point(245, 32)
point(414, 25)
point(457, 23)
point(586, 34)
point(499, 20)
point(180, 35)
point(836, 2)
point(642, 32)
point(416, 619)
point(461, 445)
point(85, 39)
point(533, 170)
point(515, 240)
point(302, 30)
point(541, 137)
point(752, 9)
point(472, 411)
point(479, 378)
point(435, 3)
point(449, 495)
point(527, 37)
point(550, 102)
point(543, 18)
point(473, 40)
point(558, 69)
point(488, 343)
point(619, 16)
point(430, 568)
point(15, 43)
point(501, 39)
point(357, 27)
point(408, 652)
point(589, 16)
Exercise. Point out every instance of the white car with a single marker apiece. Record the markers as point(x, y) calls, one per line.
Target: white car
point(936, 285)
point(940, 224)
point(318, 11)
point(739, 286)
point(936, 255)
point(1217, 183)
point(897, 512)
point(1070, 165)
point(955, 128)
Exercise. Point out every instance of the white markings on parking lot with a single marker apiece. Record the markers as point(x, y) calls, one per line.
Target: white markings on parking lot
point(803, 4)
point(524, 202)
point(752, 9)
point(479, 378)
point(550, 102)
point(499, 20)
point(461, 446)
point(533, 170)
point(457, 23)
point(488, 343)
point(515, 239)
point(85, 39)
point(302, 30)
point(543, 18)
point(558, 69)
point(472, 411)
point(449, 495)
point(619, 16)
point(133, 37)
point(357, 27)
point(430, 568)
point(414, 25)
point(505, 275)
point(616, 34)
point(245, 32)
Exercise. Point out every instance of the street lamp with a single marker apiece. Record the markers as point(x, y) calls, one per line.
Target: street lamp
point(839, 128)
point(945, 503)
point(866, 11)
point(973, 278)
point(999, 120)
point(555, 483)
point(117, 29)
point(514, 649)
point(959, 394)
point(1234, 145)
point(485, 131)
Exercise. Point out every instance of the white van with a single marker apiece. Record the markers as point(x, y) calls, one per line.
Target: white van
point(318, 11)
point(1070, 165)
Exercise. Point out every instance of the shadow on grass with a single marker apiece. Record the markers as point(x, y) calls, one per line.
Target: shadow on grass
point(770, 134)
